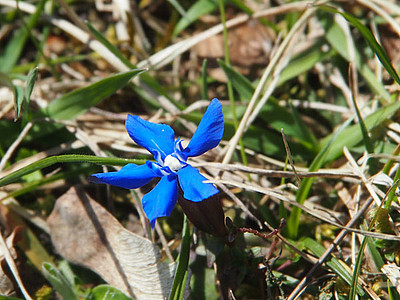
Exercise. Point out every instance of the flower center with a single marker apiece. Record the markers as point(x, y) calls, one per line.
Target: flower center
point(173, 163)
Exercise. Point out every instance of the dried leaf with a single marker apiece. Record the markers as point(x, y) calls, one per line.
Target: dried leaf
point(393, 273)
point(249, 44)
point(6, 285)
point(84, 233)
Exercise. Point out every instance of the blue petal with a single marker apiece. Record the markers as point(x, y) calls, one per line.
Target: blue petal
point(130, 176)
point(157, 138)
point(210, 131)
point(161, 200)
point(194, 189)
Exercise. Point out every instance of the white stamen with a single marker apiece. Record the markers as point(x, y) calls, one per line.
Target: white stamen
point(173, 163)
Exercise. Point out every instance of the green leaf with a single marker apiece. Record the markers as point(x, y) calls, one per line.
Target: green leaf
point(15, 47)
point(178, 287)
point(30, 83)
point(58, 281)
point(204, 85)
point(240, 83)
point(198, 9)
point(369, 37)
point(306, 184)
point(77, 102)
point(102, 39)
point(337, 39)
point(335, 264)
point(304, 62)
point(18, 100)
point(352, 135)
point(107, 292)
point(43, 163)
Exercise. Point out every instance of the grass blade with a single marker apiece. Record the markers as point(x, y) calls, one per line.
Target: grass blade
point(30, 83)
point(15, 47)
point(340, 268)
point(369, 37)
point(204, 85)
point(178, 287)
point(198, 9)
point(352, 135)
point(58, 281)
point(302, 193)
point(43, 163)
point(77, 102)
point(101, 38)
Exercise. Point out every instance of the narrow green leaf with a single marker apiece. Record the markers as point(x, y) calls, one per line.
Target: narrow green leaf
point(240, 83)
point(369, 37)
point(58, 281)
point(337, 40)
point(77, 102)
point(304, 62)
point(107, 292)
point(306, 137)
point(178, 287)
point(15, 47)
point(102, 39)
point(204, 85)
point(333, 263)
point(48, 161)
point(18, 100)
point(30, 83)
point(198, 9)
point(178, 7)
point(306, 184)
point(352, 135)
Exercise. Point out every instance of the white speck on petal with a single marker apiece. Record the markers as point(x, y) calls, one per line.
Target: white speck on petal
point(173, 163)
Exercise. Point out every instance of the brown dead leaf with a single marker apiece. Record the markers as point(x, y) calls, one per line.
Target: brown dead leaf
point(249, 44)
point(6, 279)
point(86, 234)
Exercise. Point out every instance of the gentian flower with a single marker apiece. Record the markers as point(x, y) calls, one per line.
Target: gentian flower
point(171, 162)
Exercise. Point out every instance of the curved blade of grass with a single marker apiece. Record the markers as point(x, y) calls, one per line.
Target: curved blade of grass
point(301, 195)
point(337, 39)
point(240, 83)
point(33, 185)
point(369, 37)
point(107, 292)
point(48, 161)
point(30, 83)
point(178, 287)
point(198, 9)
point(77, 102)
point(18, 100)
point(336, 265)
point(102, 39)
point(304, 62)
point(16, 45)
point(58, 281)
point(204, 85)
point(352, 135)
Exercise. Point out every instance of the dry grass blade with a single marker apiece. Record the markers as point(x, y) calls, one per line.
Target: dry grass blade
point(313, 211)
point(13, 267)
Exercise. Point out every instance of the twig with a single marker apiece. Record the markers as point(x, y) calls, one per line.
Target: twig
point(164, 242)
point(319, 215)
point(277, 173)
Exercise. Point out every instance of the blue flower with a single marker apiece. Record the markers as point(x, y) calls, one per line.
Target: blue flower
point(171, 162)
